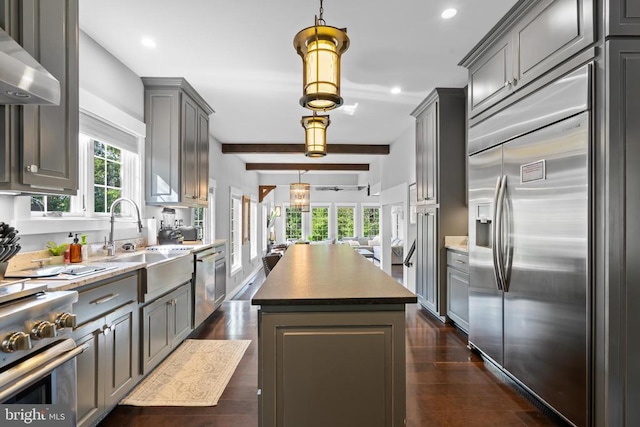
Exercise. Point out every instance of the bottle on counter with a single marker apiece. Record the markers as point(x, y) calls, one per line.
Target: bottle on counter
point(76, 250)
point(85, 249)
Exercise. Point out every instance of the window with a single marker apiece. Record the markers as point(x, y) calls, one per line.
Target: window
point(107, 176)
point(346, 220)
point(235, 230)
point(51, 205)
point(106, 173)
point(254, 229)
point(293, 224)
point(370, 221)
point(265, 229)
point(198, 221)
point(319, 223)
point(397, 222)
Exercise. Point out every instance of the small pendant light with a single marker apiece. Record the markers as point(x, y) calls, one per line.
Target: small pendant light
point(320, 47)
point(299, 195)
point(315, 138)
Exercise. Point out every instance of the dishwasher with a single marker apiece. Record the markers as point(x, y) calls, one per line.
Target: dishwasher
point(210, 282)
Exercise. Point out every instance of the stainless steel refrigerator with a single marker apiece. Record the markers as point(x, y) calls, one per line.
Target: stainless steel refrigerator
point(529, 215)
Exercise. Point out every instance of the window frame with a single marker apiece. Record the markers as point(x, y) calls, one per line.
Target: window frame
point(353, 206)
point(326, 206)
point(235, 229)
point(253, 226)
point(364, 206)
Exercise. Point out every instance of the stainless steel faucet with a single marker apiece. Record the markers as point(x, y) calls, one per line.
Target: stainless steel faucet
point(110, 246)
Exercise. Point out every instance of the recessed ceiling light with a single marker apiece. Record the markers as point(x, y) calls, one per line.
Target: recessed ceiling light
point(449, 13)
point(148, 42)
point(396, 90)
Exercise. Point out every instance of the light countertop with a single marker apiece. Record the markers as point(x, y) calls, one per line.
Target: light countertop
point(456, 243)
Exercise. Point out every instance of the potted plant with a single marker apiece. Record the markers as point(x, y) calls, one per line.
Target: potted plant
point(57, 252)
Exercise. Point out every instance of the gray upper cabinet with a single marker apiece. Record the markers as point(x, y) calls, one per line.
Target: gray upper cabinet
point(40, 143)
point(177, 145)
point(623, 18)
point(533, 38)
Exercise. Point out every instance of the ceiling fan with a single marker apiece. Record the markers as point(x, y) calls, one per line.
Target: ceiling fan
point(340, 188)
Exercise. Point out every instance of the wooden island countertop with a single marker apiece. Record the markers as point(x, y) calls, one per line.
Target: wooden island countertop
point(329, 274)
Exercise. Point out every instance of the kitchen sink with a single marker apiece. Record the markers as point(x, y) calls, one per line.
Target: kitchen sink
point(163, 271)
point(146, 257)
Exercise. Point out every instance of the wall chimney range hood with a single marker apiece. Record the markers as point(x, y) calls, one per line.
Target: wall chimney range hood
point(22, 79)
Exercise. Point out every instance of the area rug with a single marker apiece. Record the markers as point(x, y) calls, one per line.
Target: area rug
point(195, 374)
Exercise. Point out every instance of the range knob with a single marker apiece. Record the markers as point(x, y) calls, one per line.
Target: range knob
point(66, 320)
point(15, 341)
point(44, 329)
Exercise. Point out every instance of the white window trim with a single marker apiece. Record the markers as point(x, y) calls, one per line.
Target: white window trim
point(253, 227)
point(235, 195)
point(362, 208)
point(283, 225)
point(265, 210)
point(355, 217)
point(310, 221)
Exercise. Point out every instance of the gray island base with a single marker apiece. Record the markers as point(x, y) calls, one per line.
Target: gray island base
point(331, 344)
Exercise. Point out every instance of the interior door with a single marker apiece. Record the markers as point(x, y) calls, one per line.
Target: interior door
point(545, 302)
point(485, 296)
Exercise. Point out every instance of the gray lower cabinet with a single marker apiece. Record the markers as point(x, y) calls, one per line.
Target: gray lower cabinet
point(108, 367)
point(623, 18)
point(526, 45)
point(166, 322)
point(343, 367)
point(39, 147)
point(458, 289)
point(427, 259)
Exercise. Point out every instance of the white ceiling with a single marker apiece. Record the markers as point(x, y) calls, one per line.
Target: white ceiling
point(239, 55)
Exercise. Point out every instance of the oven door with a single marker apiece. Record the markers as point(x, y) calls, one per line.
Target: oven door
point(46, 378)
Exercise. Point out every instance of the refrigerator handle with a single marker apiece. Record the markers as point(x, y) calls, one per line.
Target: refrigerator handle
point(494, 246)
point(499, 233)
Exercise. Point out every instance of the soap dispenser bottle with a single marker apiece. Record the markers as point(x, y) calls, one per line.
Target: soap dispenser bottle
point(76, 250)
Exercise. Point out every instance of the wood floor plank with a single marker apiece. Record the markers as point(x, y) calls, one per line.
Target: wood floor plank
point(447, 385)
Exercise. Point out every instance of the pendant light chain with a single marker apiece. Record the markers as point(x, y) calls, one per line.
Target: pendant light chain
point(321, 19)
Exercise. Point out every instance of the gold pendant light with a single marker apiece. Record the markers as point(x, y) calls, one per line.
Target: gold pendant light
point(320, 47)
point(299, 195)
point(315, 139)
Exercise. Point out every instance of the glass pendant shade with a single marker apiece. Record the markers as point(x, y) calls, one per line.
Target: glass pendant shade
point(315, 139)
point(299, 196)
point(320, 47)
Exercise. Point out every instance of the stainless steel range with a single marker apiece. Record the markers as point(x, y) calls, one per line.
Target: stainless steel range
point(37, 355)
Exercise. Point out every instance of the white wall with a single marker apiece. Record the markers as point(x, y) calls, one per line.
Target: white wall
point(229, 171)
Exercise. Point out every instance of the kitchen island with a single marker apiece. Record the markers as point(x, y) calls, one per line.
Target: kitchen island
point(331, 341)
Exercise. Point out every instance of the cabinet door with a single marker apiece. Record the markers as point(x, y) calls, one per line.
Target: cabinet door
point(188, 152)
point(431, 260)
point(121, 353)
point(623, 18)
point(90, 374)
point(489, 78)
point(220, 283)
point(542, 40)
point(156, 342)
point(50, 133)
point(420, 158)
point(458, 297)
point(180, 323)
point(203, 158)
point(162, 145)
point(431, 153)
point(420, 258)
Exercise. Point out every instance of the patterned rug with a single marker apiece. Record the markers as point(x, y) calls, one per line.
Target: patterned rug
point(195, 374)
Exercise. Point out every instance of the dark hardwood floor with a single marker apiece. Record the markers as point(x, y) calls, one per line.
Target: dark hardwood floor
point(447, 385)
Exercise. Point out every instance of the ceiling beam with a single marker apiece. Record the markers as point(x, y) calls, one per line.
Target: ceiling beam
point(308, 166)
point(299, 148)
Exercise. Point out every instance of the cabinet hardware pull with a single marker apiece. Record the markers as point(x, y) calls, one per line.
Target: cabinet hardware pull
point(104, 299)
point(460, 262)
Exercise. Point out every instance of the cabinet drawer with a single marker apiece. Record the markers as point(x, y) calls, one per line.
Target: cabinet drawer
point(103, 298)
point(458, 261)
